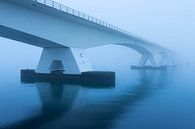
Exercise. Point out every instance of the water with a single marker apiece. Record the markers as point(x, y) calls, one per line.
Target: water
point(139, 100)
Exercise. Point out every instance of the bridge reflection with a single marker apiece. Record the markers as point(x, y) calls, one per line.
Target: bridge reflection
point(74, 107)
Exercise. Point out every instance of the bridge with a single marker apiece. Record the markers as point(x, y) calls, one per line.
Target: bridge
point(65, 33)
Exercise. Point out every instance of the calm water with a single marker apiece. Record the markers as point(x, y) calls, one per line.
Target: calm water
point(140, 100)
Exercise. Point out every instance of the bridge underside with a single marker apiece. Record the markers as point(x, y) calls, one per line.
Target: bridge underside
point(20, 36)
point(74, 60)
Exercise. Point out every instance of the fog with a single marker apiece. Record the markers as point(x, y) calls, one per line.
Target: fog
point(170, 23)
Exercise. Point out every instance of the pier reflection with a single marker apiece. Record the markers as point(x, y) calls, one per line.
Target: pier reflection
point(77, 107)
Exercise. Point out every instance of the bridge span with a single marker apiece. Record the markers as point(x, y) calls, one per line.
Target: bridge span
point(65, 33)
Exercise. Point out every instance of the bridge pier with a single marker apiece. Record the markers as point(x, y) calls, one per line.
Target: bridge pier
point(167, 59)
point(155, 63)
point(68, 60)
point(68, 66)
point(145, 58)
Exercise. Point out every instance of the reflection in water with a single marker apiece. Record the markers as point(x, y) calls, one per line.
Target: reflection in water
point(64, 106)
point(55, 98)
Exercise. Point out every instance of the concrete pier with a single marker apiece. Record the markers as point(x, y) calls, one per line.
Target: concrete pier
point(86, 78)
point(134, 67)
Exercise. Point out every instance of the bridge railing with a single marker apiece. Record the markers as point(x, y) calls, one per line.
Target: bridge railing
point(74, 12)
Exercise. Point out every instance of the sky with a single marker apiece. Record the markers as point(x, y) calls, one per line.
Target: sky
point(170, 23)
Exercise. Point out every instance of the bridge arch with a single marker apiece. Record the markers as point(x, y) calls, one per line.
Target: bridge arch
point(146, 55)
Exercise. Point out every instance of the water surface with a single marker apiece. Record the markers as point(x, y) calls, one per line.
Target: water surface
point(139, 100)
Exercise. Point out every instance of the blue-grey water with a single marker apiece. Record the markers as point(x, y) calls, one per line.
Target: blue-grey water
point(139, 100)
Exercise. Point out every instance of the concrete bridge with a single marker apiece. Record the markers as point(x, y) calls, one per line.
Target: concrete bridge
point(65, 33)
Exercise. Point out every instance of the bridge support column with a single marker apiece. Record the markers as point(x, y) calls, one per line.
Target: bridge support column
point(71, 60)
point(166, 59)
point(145, 58)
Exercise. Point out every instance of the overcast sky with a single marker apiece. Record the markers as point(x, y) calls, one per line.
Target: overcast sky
point(170, 23)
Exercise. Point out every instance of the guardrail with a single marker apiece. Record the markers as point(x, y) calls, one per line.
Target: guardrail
point(74, 12)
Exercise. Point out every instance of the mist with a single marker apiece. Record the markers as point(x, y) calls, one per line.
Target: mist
point(170, 23)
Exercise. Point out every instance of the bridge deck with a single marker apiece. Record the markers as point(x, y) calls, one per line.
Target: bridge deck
point(75, 13)
point(79, 14)
point(43, 16)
